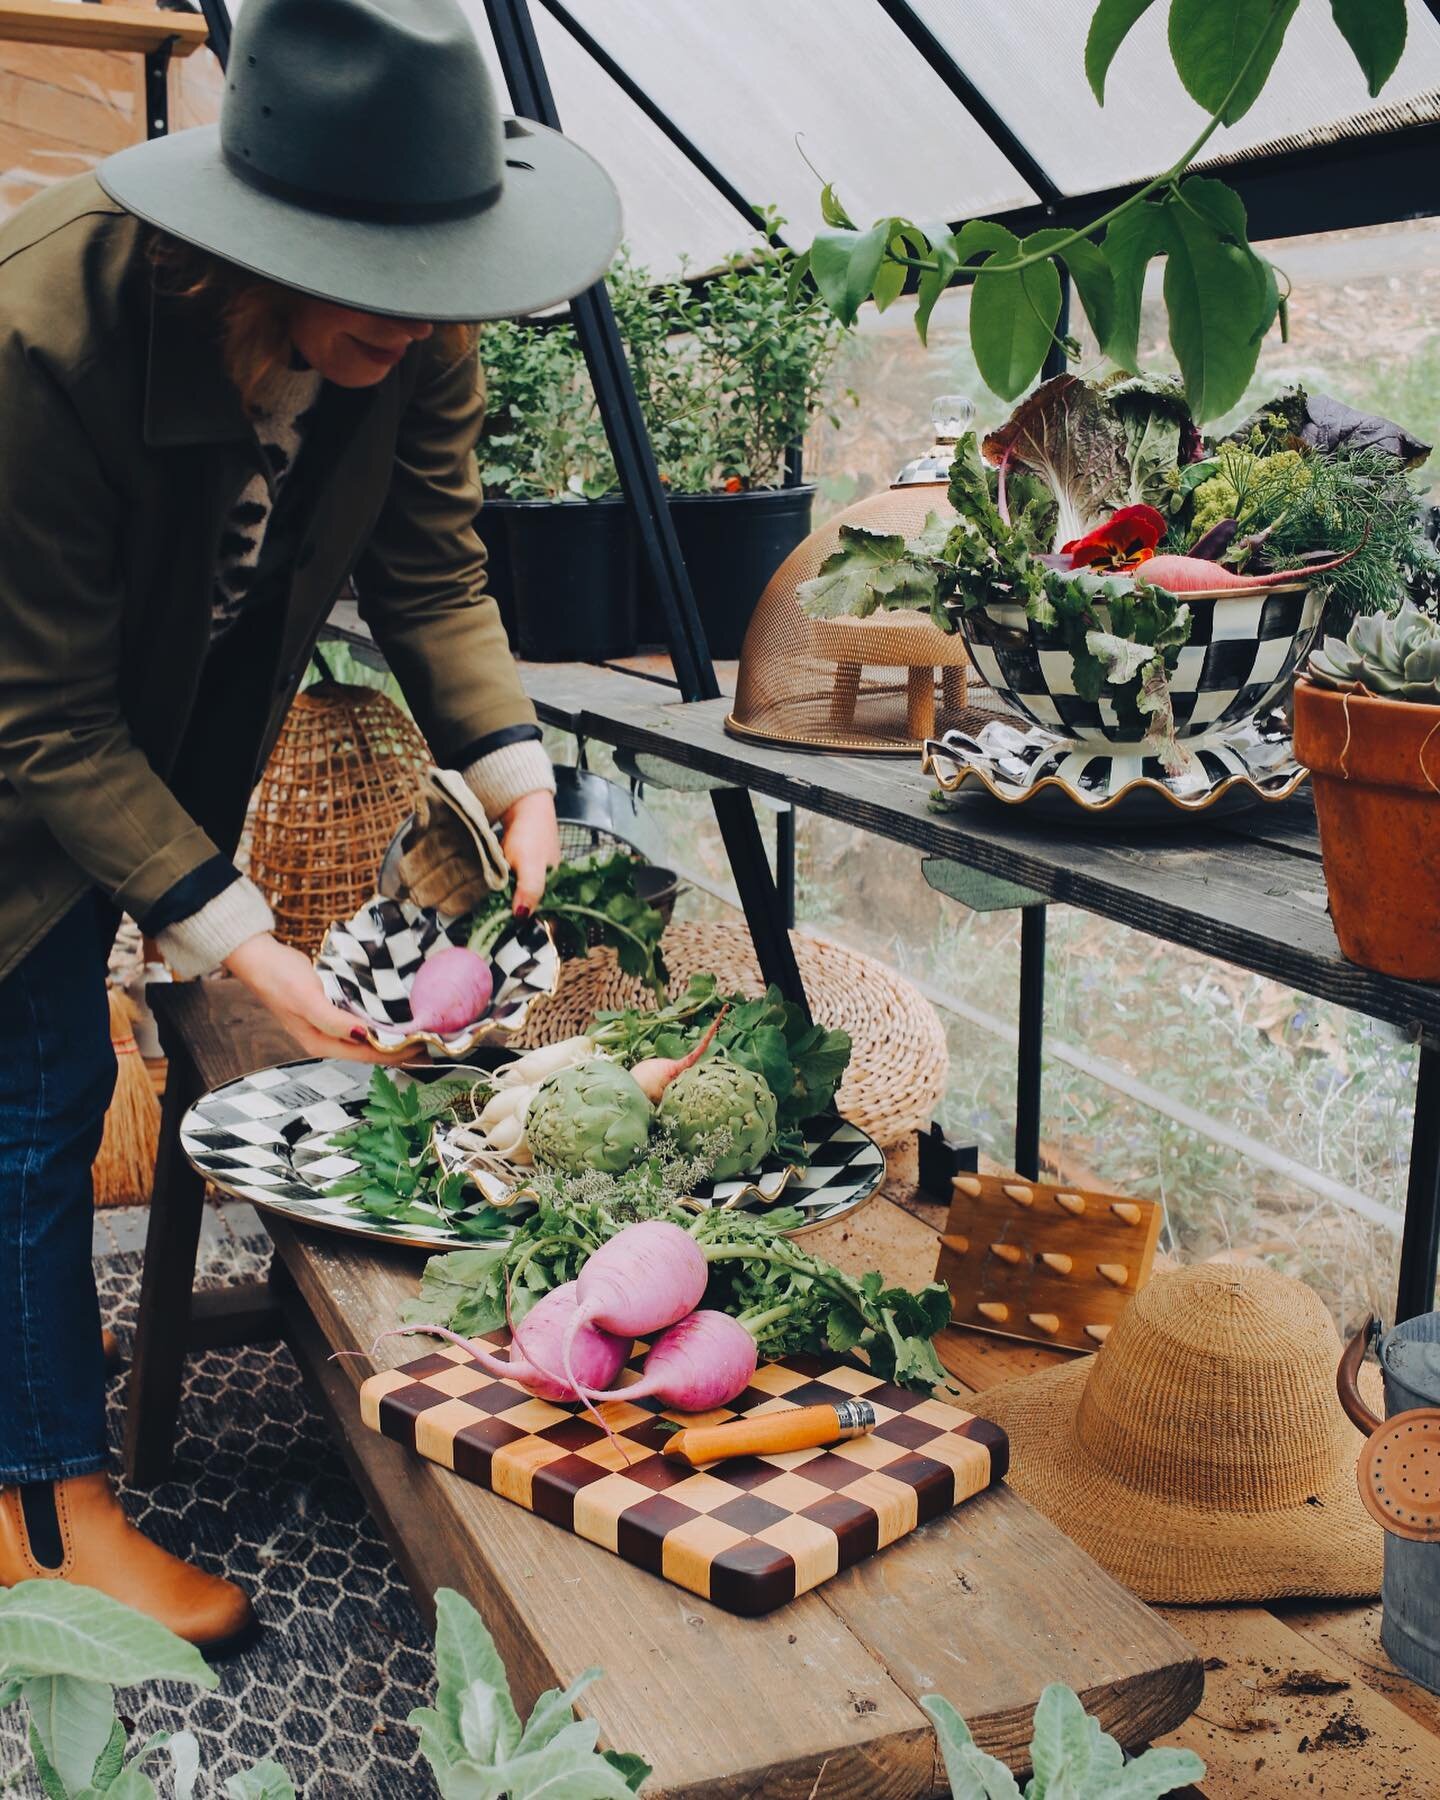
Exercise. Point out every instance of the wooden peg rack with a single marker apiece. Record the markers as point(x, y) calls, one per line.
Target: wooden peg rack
point(1044, 1262)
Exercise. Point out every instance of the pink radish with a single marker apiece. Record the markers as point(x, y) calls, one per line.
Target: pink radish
point(535, 1349)
point(645, 1278)
point(656, 1073)
point(452, 988)
point(1194, 575)
point(703, 1362)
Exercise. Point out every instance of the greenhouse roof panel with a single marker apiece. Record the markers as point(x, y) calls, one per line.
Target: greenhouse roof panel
point(755, 83)
point(1027, 59)
point(673, 215)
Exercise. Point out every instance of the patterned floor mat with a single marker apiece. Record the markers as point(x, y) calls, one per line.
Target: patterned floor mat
point(261, 1494)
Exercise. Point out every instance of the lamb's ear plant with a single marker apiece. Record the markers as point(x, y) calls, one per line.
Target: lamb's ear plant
point(1072, 1758)
point(473, 1739)
point(64, 1649)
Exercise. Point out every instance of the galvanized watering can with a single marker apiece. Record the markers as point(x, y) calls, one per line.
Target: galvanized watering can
point(1399, 1475)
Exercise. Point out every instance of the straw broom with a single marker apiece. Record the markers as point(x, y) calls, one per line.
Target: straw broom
point(125, 1166)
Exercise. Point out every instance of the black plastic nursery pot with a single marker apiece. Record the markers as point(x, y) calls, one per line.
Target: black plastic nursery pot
point(732, 545)
point(564, 574)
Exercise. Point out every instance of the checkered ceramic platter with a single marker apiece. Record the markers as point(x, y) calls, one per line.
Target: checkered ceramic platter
point(266, 1138)
point(1118, 784)
point(1240, 660)
point(367, 965)
point(748, 1534)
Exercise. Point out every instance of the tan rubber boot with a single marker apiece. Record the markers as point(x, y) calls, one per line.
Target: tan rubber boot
point(76, 1531)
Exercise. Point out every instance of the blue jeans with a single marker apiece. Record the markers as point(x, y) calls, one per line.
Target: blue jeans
point(57, 1071)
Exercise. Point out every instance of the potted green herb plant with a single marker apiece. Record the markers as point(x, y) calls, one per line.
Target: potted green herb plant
point(729, 377)
point(562, 559)
point(1367, 724)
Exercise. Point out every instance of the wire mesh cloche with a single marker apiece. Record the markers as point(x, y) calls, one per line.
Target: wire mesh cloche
point(880, 684)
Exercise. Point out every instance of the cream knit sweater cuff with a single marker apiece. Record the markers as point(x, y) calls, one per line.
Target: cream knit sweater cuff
point(499, 779)
point(196, 945)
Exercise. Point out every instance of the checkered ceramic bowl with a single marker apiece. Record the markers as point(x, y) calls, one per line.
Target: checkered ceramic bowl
point(367, 966)
point(1242, 657)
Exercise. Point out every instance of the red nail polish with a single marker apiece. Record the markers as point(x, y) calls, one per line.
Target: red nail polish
point(522, 912)
point(358, 1035)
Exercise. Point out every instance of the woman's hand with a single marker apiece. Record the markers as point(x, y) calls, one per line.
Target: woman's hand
point(284, 980)
point(531, 843)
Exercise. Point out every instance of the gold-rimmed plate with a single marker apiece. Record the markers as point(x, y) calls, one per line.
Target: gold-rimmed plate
point(1119, 784)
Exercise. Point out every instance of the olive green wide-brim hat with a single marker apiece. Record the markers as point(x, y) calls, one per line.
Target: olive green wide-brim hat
point(361, 157)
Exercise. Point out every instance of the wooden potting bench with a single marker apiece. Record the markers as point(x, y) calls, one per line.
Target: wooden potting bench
point(821, 1697)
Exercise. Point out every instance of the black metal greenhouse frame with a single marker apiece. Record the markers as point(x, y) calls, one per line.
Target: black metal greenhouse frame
point(1353, 181)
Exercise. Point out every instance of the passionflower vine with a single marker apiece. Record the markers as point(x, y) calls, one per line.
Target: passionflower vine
point(1127, 537)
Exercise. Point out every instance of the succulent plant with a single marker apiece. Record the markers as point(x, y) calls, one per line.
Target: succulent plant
point(591, 1117)
point(722, 1113)
point(1397, 658)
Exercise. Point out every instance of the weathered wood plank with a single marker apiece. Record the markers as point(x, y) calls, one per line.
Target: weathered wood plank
point(111, 26)
point(1351, 1635)
point(719, 1705)
point(1282, 1717)
point(992, 1603)
point(723, 1705)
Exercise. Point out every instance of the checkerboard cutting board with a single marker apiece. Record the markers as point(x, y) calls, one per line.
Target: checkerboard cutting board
point(748, 1534)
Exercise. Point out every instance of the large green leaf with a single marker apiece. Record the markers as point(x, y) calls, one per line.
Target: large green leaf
point(75, 1721)
point(1109, 28)
point(933, 282)
point(1012, 321)
point(1216, 296)
point(466, 1658)
point(844, 265)
point(1131, 241)
point(1215, 43)
point(971, 1773)
point(1091, 274)
point(55, 1628)
point(1375, 31)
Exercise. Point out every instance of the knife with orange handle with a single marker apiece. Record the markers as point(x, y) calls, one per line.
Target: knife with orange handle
point(771, 1433)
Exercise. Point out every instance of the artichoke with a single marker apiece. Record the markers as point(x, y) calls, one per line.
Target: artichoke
point(593, 1116)
point(1397, 658)
point(718, 1103)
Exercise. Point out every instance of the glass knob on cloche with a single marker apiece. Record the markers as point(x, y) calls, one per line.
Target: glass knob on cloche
point(951, 415)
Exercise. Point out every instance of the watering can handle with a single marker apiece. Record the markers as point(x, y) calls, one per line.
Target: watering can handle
point(1347, 1379)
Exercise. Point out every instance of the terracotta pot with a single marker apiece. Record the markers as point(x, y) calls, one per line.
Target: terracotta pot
point(1379, 823)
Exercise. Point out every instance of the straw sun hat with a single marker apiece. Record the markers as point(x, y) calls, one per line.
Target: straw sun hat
point(1202, 1455)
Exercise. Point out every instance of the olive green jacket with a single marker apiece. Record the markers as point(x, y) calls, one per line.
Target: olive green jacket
point(123, 447)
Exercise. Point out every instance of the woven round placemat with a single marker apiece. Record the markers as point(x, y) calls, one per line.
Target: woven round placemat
point(899, 1063)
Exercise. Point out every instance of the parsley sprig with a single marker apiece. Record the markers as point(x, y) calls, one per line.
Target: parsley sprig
point(400, 1178)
